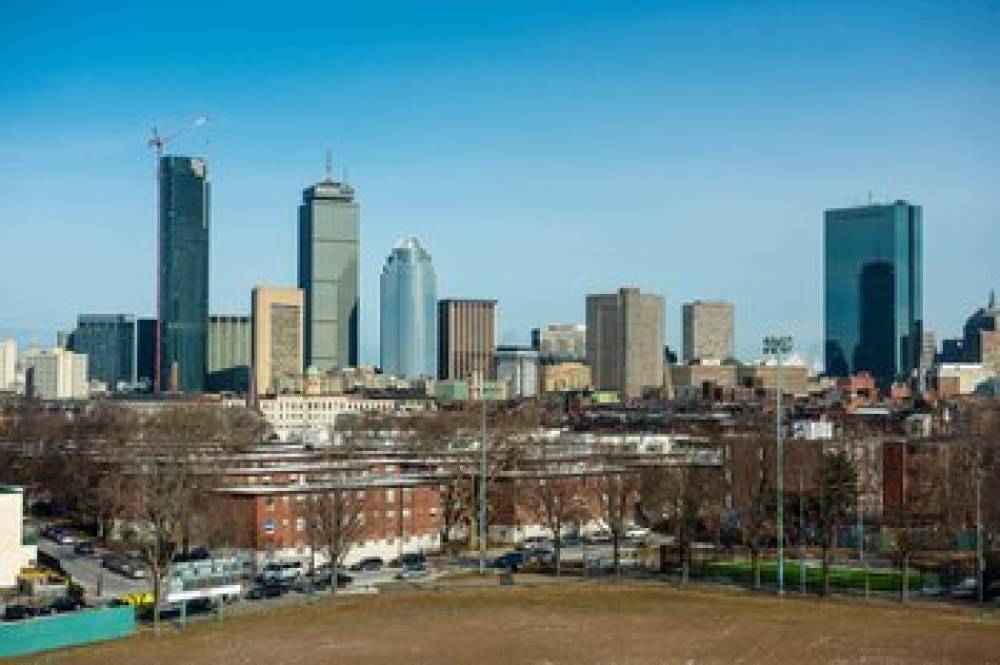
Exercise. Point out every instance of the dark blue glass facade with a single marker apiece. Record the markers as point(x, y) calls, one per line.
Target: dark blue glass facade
point(873, 291)
point(109, 342)
point(183, 272)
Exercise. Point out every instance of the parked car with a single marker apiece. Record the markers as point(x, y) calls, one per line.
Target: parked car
point(282, 571)
point(965, 589)
point(542, 554)
point(636, 531)
point(411, 573)
point(324, 577)
point(600, 536)
point(370, 564)
point(19, 612)
point(571, 541)
point(532, 542)
point(65, 538)
point(268, 590)
point(408, 559)
point(511, 561)
point(67, 604)
point(84, 548)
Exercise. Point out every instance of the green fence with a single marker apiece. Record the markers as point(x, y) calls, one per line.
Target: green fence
point(61, 630)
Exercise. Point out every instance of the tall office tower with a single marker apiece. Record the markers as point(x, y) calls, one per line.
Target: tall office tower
point(981, 341)
point(183, 274)
point(228, 354)
point(278, 315)
point(109, 342)
point(145, 352)
point(708, 330)
point(874, 291)
point(328, 274)
point(467, 339)
point(409, 312)
point(559, 343)
point(8, 365)
point(625, 341)
point(56, 374)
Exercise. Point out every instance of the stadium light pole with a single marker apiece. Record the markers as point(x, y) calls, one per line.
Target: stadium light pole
point(482, 482)
point(779, 346)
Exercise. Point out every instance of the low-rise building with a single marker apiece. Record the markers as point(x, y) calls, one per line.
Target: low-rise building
point(292, 416)
point(17, 548)
point(563, 377)
point(56, 374)
point(949, 379)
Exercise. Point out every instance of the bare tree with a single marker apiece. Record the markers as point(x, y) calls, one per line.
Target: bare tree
point(838, 484)
point(556, 499)
point(617, 491)
point(337, 522)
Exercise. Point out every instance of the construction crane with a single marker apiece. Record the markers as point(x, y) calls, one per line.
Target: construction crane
point(157, 143)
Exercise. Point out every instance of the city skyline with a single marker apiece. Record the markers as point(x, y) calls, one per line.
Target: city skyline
point(690, 189)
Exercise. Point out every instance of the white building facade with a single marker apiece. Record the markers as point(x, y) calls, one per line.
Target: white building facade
point(56, 374)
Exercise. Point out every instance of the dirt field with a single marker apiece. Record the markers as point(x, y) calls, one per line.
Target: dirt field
point(567, 624)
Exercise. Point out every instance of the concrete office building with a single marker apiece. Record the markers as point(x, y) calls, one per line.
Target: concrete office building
point(108, 340)
point(517, 366)
point(874, 291)
point(228, 354)
point(56, 374)
point(707, 330)
point(625, 342)
point(466, 339)
point(328, 274)
point(183, 274)
point(408, 340)
point(278, 322)
point(563, 377)
point(558, 343)
point(8, 365)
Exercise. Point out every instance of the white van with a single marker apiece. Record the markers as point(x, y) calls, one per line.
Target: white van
point(282, 571)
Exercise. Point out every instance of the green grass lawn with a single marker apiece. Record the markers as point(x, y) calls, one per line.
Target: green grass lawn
point(841, 577)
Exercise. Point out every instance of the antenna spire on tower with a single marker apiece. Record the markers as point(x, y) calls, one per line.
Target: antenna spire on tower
point(328, 166)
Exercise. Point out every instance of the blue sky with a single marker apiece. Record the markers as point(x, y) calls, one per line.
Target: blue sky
point(539, 150)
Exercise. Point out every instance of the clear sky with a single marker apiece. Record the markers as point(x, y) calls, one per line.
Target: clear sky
point(539, 150)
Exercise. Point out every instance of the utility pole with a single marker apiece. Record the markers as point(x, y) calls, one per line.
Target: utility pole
point(777, 346)
point(482, 481)
point(980, 558)
point(802, 529)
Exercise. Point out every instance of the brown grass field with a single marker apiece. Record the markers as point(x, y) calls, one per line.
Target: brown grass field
point(579, 624)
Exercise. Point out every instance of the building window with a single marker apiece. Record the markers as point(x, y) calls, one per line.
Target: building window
point(390, 495)
point(269, 526)
point(269, 502)
point(300, 524)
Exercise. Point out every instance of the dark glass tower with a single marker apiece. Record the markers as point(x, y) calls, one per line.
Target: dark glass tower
point(183, 273)
point(109, 342)
point(145, 352)
point(874, 290)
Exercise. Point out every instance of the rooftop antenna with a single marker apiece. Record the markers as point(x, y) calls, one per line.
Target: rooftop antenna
point(869, 197)
point(993, 299)
point(328, 166)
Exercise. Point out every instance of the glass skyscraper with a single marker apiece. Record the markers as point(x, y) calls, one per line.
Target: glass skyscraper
point(409, 312)
point(109, 342)
point(874, 291)
point(328, 274)
point(183, 273)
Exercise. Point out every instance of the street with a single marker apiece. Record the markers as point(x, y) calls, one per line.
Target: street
point(87, 571)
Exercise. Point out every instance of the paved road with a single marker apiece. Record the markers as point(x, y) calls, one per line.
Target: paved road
point(87, 570)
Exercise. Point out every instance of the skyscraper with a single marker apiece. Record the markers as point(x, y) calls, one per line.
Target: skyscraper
point(228, 368)
point(183, 273)
point(558, 343)
point(874, 290)
point(625, 341)
point(467, 339)
point(409, 312)
point(328, 274)
point(145, 352)
point(109, 342)
point(277, 337)
point(708, 330)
